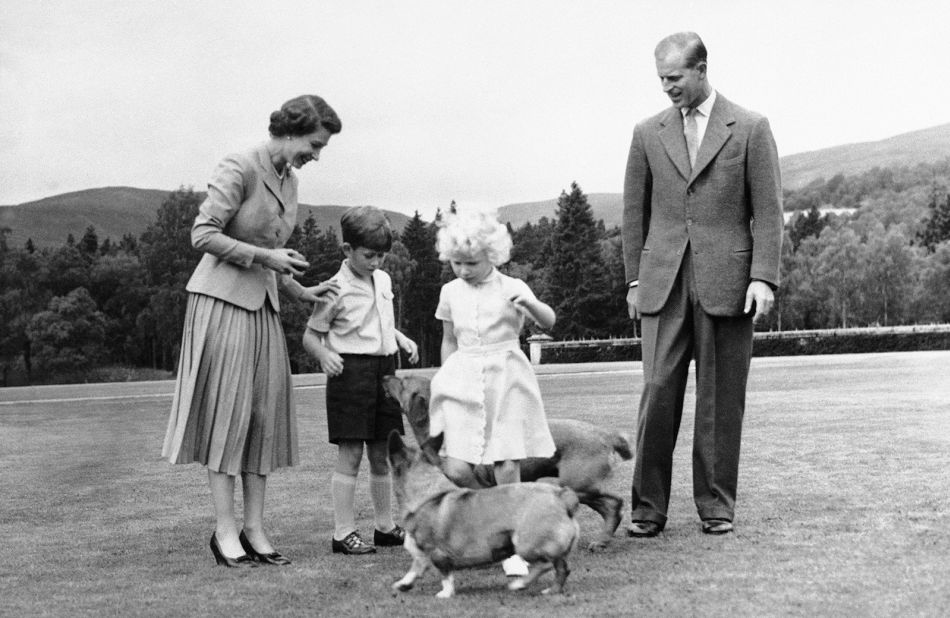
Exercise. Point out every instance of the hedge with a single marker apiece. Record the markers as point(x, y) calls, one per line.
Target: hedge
point(788, 343)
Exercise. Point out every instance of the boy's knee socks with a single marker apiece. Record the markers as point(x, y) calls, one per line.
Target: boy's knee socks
point(343, 489)
point(380, 490)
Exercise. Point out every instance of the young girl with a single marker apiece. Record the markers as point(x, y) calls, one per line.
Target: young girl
point(485, 398)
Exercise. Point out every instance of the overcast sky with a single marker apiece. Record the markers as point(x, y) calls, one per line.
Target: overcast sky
point(484, 102)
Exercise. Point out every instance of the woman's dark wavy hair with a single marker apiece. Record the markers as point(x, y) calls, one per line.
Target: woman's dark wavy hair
point(303, 115)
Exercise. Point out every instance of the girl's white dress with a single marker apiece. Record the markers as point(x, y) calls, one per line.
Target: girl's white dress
point(485, 398)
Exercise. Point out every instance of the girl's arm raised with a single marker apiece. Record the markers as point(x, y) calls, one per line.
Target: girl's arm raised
point(538, 311)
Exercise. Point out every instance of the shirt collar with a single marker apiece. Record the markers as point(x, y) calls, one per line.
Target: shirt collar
point(348, 273)
point(352, 278)
point(704, 108)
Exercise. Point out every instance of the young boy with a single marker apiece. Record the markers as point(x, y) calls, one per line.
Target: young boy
point(355, 339)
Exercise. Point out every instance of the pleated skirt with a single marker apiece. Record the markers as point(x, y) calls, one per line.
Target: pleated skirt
point(233, 409)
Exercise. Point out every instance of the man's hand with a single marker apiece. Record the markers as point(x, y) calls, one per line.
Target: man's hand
point(761, 294)
point(632, 309)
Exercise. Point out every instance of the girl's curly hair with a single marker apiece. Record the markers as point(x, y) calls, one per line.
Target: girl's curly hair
point(471, 234)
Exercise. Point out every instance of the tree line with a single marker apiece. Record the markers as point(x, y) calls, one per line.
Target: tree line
point(66, 312)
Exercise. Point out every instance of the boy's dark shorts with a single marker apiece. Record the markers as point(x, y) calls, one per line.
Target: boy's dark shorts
point(357, 406)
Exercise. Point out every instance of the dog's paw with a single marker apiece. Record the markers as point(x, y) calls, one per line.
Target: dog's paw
point(553, 590)
point(596, 546)
point(402, 586)
point(445, 594)
point(517, 584)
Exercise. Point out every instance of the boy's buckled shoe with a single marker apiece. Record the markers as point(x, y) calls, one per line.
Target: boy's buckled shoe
point(353, 545)
point(394, 537)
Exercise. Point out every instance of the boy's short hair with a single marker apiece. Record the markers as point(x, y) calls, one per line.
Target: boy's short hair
point(367, 226)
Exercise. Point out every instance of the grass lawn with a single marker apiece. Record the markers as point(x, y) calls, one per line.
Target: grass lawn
point(844, 508)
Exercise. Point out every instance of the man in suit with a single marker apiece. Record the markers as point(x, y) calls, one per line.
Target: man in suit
point(702, 233)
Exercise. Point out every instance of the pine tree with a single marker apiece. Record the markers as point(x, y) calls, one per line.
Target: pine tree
point(320, 248)
point(165, 245)
point(937, 228)
point(399, 266)
point(168, 260)
point(425, 281)
point(804, 225)
point(577, 284)
point(89, 243)
point(326, 257)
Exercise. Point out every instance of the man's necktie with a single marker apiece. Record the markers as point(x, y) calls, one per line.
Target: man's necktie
point(691, 131)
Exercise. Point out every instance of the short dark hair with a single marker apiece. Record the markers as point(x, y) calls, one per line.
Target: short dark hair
point(303, 115)
point(367, 226)
point(689, 42)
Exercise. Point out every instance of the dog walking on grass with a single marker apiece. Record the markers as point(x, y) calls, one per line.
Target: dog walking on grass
point(452, 528)
point(584, 458)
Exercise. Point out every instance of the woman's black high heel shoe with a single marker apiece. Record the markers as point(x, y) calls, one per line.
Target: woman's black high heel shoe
point(241, 562)
point(271, 558)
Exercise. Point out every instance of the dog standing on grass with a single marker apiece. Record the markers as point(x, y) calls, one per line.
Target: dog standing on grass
point(452, 528)
point(584, 458)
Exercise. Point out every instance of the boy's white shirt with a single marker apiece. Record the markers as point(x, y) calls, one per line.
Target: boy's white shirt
point(360, 319)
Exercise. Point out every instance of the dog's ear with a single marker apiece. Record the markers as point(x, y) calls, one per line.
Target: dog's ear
point(396, 448)
point(392, 386)
point(418, 415)
point(431, 447)
point(418, 408)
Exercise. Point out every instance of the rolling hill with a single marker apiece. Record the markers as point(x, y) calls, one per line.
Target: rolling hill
point(924, 146)
point(115, 212)
point(906, 149)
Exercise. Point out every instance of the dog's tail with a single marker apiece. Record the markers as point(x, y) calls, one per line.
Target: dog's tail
point(570, 500)
point(621, 446)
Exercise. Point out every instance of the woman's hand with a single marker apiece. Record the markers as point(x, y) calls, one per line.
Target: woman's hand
point(323, 291)
point(284, 261)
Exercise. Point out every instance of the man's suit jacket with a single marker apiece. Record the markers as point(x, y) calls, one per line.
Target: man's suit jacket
point(247, 206)
point(727, 210)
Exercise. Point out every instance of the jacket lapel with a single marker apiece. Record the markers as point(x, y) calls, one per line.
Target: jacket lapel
point(671, 135)
point(717, 132)
point(269, 174)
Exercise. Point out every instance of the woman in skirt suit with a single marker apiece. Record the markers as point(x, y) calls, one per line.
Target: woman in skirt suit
point(233, 409)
